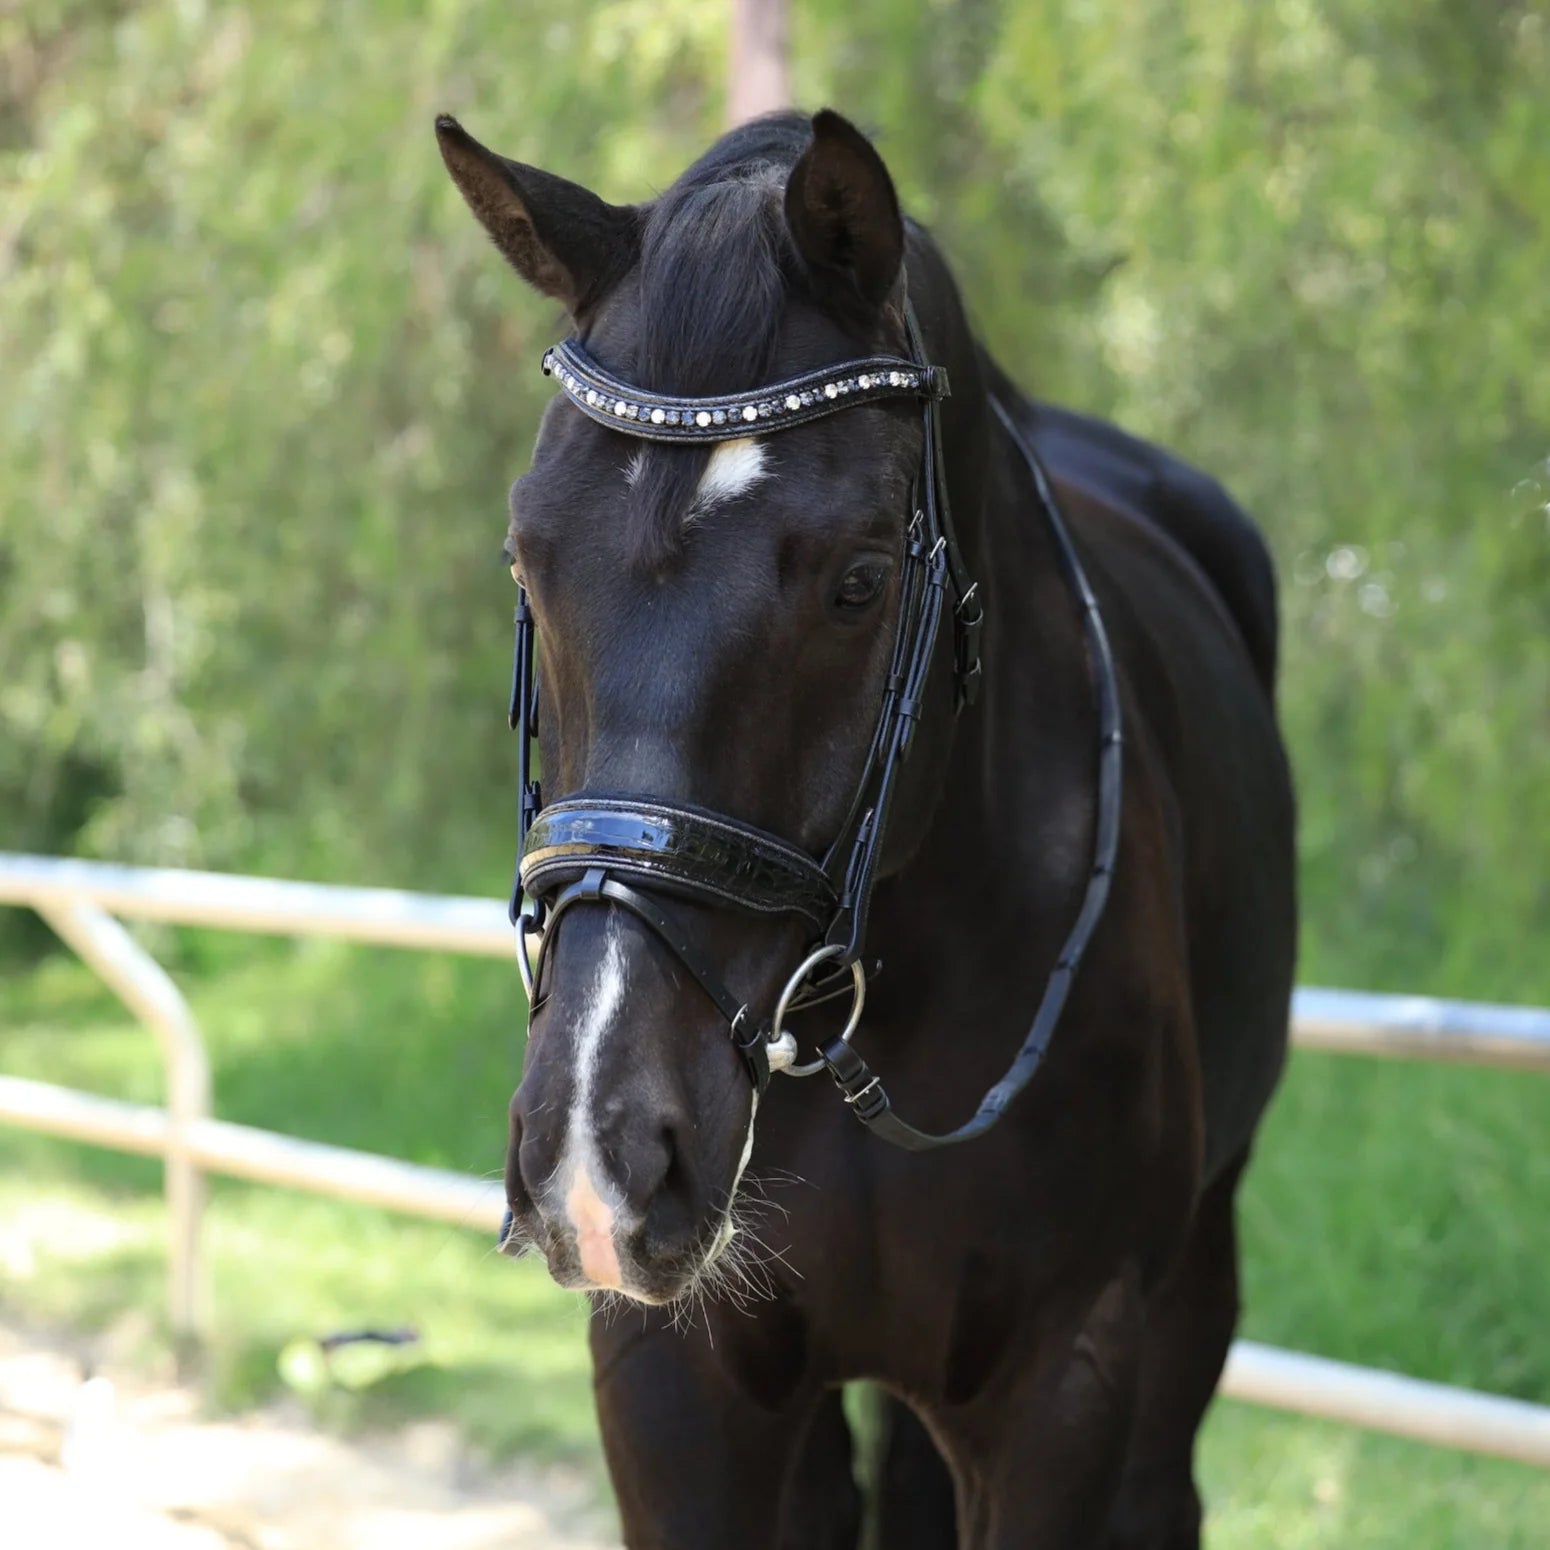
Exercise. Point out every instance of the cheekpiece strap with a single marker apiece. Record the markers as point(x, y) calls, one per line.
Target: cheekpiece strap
point(778, 406)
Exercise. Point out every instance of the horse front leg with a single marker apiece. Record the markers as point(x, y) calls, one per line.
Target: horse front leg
point(1037, 1462)
point(699, 1463)
point(915, 1506)
point(1189, 1327)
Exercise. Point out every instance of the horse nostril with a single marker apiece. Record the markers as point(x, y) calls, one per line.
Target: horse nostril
point(530, 1168)
point(673, 1173)
point(646, 1161)
point(672, 1200)
point(530, 1174)
point(508, 1240)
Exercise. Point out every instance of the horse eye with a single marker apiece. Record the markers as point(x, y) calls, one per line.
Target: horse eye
point(861, 584)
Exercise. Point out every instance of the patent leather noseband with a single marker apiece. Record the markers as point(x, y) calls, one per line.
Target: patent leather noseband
point(679, 850)
point(635, 851)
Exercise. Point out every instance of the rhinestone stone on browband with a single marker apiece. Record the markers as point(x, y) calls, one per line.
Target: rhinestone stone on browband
point(659, 417)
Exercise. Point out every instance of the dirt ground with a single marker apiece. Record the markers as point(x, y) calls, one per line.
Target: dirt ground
point(108, 1460)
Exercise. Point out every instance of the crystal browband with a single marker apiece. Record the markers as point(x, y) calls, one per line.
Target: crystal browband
point(657, 417)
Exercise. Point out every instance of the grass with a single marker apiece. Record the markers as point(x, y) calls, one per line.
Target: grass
point(1395, 1216)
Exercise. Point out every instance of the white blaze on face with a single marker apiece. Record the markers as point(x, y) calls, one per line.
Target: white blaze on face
point(742, 1162)
point(734, 468)
point(728, 1230)
point(593, 1219)
point(591, 1201)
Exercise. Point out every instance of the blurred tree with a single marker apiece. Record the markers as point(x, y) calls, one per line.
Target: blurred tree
point(1300, 244)
point(758, 59)
point(264, 386)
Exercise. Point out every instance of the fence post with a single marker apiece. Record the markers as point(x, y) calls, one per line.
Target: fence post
point(145, 988)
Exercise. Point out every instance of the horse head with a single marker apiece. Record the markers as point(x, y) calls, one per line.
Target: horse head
point(717, 624)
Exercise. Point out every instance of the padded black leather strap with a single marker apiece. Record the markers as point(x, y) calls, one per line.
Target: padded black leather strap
point(661, 843)
point(776, 406)
point(968, 613)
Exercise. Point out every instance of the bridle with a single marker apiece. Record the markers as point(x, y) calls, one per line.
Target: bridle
point(631, 850)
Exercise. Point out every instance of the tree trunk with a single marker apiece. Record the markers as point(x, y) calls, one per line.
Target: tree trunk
point(759, 74)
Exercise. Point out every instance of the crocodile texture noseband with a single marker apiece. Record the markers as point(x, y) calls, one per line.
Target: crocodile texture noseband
point(675, 848)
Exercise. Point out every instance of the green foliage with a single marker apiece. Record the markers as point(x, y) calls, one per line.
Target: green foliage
point(263, 384)
point(1302, 245)
point(266, 383)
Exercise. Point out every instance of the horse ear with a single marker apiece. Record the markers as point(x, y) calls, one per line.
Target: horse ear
point(844, 215)
point(561, 238)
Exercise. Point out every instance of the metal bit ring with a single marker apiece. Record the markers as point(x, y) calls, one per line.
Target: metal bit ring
point(778, 1030)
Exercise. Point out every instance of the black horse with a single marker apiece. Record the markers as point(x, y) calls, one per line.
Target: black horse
point(718, 622)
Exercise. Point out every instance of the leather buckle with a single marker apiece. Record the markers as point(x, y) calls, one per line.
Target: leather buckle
point(966, 629)
point(758, 1035)
point(968, 682)
point(858, 1083)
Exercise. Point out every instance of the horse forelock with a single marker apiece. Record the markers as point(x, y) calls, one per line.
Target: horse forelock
point(714, 269)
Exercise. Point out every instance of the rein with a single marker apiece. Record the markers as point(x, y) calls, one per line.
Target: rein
point(864, 1091)
point(626, 849)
